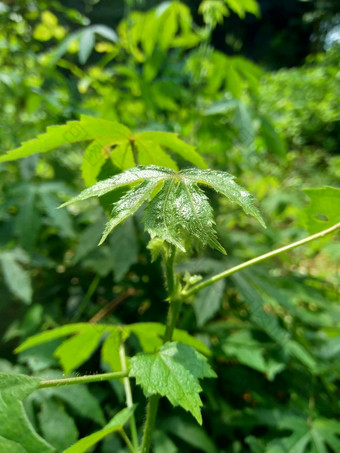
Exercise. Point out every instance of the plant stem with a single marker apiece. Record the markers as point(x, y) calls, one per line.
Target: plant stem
point(127, 441)
point(92, 288)
point(258, 259)
point(129, 400)
point(83, 379)
point(174, 308)
point(134, 151)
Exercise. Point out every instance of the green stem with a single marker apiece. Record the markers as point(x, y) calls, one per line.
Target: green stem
point(151, 414)
point(258, 259)
point(173, 312)
point(134, 151)
point(127, 441)
point(129, 400)
point(83, 379)
point(92, 288)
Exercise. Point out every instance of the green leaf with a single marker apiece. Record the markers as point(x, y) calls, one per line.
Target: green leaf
point(60, 219)
point(87, 128)
point(86, 44)
point(17, 279)
point(115, 424)
point(178, 208)
point(171, 141)
point(150, 336)
point(28, 220)
point(323, 210)
point(208, 302)
point(191, 434)
point(266, 321)
point(241, 7)
point(224, 184)
point(150, 153)
point(109, 139)
point(129, 204)
point(173, 372)
point(274, 143)
point(250, 352)
point(16, 433)
point(124, 249)
point(94, 158)
point(244, 123)
point(306, 436)
point(88, 240)
point(110, 350)
point(49, 335)
point(56, 425)
point(73, 352)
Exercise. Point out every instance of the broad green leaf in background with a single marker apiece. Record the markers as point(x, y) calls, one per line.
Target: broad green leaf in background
point(317, 436)
point(266, 321)
point(87, 128)
point(110, 350)
point(49, 335)
point(208, 302)
point(16, 433)
point(193, 435)
point(150, 336)
point(86, 338)
point(323, 210)
point(241, 7)
point(28, 220)
point(178, 207)
point(16, 277)
point(57, 427)
point(115, 424)
point(60, 220)
point(173, 372)
point(250, 352)
point(86, 40)
point(109, 137)
point(76, 350)
point(124, 249)
point(88, 240)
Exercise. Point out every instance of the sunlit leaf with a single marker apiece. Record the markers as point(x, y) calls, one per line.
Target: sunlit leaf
point(178, 207)
point(323, 210)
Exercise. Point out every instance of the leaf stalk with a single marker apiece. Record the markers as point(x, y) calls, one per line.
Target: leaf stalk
point(83, 379)
point(210, 281)
point(129, 400)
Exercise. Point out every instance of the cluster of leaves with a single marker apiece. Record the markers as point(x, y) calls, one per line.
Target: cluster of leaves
point(272, 334)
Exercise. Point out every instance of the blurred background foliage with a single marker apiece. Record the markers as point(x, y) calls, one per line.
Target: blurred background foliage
point(255, 86)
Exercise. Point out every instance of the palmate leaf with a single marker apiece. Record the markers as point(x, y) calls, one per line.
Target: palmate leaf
point(109, 139)
point(87, 337)
point(173, 371)
point(319, 435)
point(177, 207)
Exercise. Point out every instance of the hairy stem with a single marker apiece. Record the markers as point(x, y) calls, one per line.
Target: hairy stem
point(127, 441)
point(129, 400)
point(258, 259)
point(83, 379)
point(174, 308)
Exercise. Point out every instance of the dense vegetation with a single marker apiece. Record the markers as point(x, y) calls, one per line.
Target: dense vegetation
point(157, 90)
